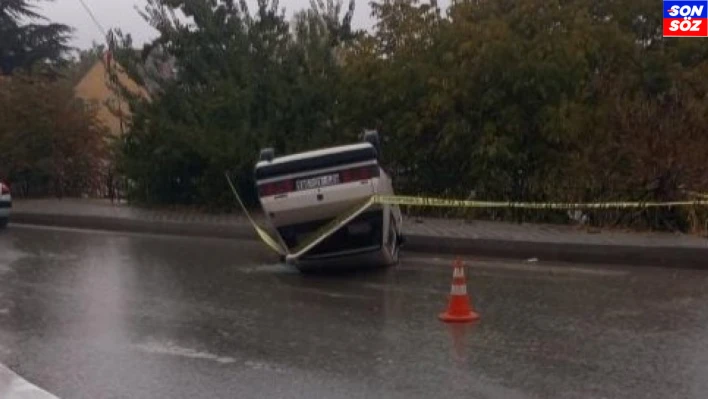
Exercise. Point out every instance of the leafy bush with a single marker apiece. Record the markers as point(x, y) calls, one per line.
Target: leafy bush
point(533, 100)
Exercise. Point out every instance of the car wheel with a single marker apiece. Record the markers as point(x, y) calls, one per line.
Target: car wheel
point(267, 154)
point(3, 222)
point(372, 137)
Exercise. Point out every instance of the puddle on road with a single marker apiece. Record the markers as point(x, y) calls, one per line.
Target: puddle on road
point(535, 267)
point(272, 268)
point(330, 294)
point(172, 349)
point(256, 365)
point(169, 348)
point(391, 287)
point(8, 256)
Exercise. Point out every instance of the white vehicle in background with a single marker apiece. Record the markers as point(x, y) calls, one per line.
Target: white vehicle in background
point(301, 193)
point(5, 204)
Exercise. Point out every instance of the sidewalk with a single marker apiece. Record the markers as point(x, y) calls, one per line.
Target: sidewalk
point(444, 236)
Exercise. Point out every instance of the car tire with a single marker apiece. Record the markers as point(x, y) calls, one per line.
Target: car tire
point(4, 222)
point(372, 137)
point(267, 154)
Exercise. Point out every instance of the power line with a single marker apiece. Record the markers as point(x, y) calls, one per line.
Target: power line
point(94, 19)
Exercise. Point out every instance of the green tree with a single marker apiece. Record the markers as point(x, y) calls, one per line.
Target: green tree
point(244, 82)
point(388, 78)
point(27, 40)
point(315, 115)
point(50, 142)
point(563, 100)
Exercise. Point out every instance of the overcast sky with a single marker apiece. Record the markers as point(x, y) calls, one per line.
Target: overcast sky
point(121, 13)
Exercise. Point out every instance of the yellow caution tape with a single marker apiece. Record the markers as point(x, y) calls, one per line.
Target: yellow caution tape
point(268, 240)
point(262, 233)
point(441, 202)
point(330, 228)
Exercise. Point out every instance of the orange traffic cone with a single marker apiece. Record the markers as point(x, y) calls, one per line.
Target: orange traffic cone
point(459, 308)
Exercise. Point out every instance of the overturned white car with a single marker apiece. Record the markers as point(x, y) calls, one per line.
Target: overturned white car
point(302, 194)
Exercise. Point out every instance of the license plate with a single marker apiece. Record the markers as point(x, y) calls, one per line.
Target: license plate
point(317, 182)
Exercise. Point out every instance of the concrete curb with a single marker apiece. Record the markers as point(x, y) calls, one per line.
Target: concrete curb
point(630, 255)
point(676, 257)
point(213, 230)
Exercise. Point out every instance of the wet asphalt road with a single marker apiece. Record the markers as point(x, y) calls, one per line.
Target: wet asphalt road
point(104, 315)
